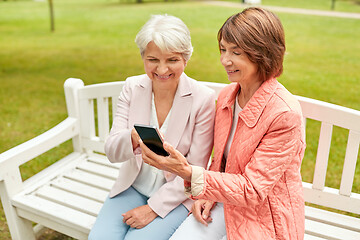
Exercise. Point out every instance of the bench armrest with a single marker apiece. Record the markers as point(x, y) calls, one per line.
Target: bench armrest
point(26, 151)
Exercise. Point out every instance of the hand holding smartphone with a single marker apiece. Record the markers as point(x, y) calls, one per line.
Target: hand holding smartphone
point(151, 137)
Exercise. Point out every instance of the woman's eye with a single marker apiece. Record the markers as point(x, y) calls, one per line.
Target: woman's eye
point(152, 60)
point(222, 50)
point(174, 60)
point(237, 53)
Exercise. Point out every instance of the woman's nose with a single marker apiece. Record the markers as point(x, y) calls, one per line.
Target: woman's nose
point(162, 68)
point(225, 60)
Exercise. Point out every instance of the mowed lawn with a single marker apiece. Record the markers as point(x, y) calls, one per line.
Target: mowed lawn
point(94, 41)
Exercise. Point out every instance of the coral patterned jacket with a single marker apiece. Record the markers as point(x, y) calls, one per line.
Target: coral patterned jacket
point(261, 187)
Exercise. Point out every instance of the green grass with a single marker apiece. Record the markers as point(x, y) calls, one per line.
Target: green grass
point(94, 41)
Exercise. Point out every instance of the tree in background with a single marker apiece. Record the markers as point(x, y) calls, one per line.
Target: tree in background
point(51, 8)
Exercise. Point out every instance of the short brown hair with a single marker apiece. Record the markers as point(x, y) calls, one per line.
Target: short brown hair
point(260, 34)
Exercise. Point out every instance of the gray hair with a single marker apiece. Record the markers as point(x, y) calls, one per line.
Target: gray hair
point(169, 33)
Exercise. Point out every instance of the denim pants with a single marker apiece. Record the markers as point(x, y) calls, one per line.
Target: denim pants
point(109, 223)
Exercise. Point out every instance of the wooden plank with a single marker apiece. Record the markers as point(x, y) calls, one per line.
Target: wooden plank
point(43, 177)
point(100, 159)
point(93, 144)
point(326, 231)
point(326, 112)
point(311, 237)
point(26, 151)
point(347, 177)
point(90, 179)
point(80, 189)
point(87, 119)
point(103, 117)
point(55, 216)
point(330, 197)
point(322, 156)
point(70, 200)
point(99, 169)
point(331, 218)
point(101, 90)
point(217, 87)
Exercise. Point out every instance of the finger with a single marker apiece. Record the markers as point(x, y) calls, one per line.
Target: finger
point(197, 210)
point(125, 217)
point(206, 210)
point(170, 149)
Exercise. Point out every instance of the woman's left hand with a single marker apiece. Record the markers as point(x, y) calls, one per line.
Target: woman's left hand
point(139, 217)
point(175, 163)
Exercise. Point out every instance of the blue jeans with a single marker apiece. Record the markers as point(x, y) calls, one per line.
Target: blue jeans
point(109, 223)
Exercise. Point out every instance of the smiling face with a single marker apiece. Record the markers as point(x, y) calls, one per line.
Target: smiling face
point(237, 65)
point(163, 67)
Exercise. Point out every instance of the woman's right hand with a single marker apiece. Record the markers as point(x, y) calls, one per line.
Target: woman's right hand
point(201, 210)
point(135, 139)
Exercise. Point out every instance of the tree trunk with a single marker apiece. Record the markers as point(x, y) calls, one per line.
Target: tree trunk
point(52, 24)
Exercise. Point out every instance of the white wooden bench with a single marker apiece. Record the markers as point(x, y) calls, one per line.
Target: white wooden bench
point(68, 195)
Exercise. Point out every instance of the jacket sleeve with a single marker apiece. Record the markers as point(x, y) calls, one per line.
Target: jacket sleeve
point(198, 154)
point(118, 146)
point(280, 147)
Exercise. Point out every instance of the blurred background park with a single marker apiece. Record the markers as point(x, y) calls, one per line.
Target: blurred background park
point(94, 40)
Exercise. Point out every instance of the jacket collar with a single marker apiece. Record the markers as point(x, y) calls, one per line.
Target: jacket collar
point(254, 108)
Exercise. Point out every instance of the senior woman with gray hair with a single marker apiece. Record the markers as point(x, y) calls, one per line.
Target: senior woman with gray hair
point(147, 203)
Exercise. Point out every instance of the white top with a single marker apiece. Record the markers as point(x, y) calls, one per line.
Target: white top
point(150, 179)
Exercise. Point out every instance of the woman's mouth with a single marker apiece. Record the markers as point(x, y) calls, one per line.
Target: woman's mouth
point(163, 77)
point(231, 71)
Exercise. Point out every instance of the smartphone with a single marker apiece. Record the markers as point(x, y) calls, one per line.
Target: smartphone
point(151, 137)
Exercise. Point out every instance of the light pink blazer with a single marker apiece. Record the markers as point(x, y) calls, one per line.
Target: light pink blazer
point(261, 188)
point(190, 131)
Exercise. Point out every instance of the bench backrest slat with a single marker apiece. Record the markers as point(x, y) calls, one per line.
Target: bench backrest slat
point(352, 150)
point(322, 156)
point(103, 117)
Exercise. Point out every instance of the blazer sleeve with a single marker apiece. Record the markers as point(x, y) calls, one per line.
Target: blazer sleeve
point(280, 147)
point(198, 154)
point(118, 146)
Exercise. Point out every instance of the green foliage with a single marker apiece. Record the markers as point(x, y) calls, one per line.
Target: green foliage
point(94, 41)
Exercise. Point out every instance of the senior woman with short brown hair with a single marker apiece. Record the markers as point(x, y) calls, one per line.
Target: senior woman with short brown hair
point(253, 188)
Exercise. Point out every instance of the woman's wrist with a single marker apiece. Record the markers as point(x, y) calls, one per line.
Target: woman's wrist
point(186, 173)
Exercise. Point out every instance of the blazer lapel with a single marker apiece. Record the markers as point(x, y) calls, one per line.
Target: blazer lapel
point(180, 111)
point(140, 107)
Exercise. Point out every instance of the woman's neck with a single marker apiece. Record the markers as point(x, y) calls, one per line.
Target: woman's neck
point(247, 91)
point(163, 99)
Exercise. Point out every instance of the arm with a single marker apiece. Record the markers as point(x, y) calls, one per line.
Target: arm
point(278, 150)
point(119, 144)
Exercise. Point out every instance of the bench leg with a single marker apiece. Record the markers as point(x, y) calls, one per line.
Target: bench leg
point(20, 229)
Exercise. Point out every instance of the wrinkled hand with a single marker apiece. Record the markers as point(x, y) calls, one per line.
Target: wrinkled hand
point(139, 217)
point(175, 163)
point(201, 210)
point(135, 139)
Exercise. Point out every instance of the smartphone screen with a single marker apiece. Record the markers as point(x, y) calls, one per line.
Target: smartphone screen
point(151, 137)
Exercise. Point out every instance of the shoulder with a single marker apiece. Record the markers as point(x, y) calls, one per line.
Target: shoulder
point(285, 108)
point(199, 89)
point(137, 80)
point(284, 101)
